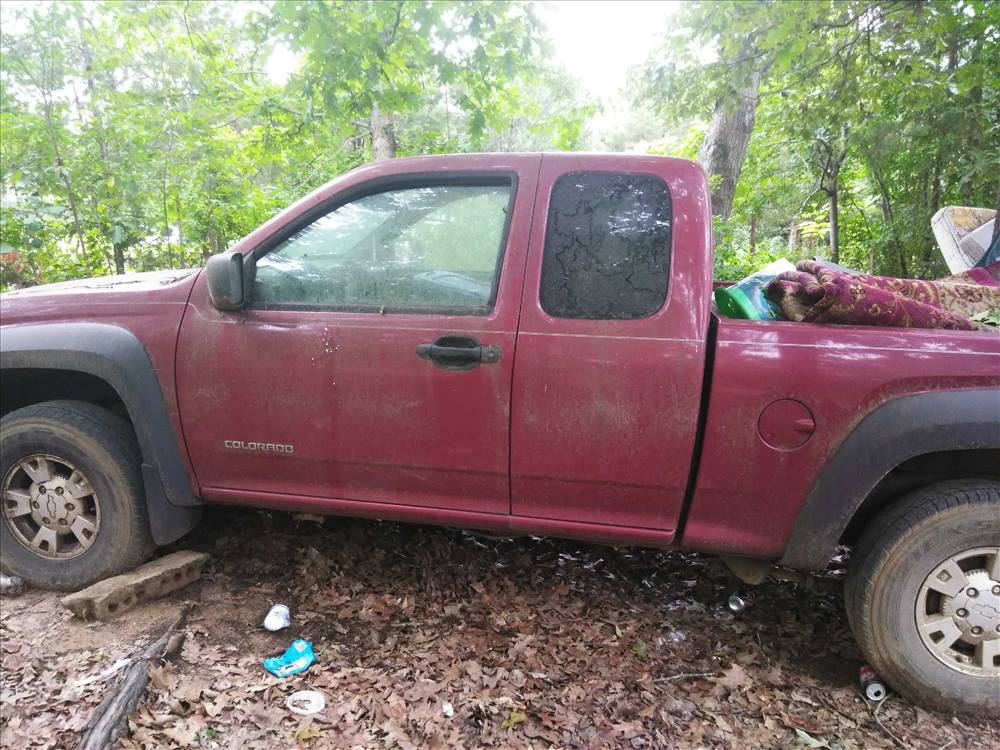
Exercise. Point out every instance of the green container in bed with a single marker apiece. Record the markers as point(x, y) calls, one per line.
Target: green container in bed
point(745, 299)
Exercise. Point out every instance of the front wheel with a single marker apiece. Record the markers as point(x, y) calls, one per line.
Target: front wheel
point(73, 507)
point(923, 596)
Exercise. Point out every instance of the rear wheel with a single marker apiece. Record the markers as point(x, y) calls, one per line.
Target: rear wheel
point(923, 596)
point(73, 507)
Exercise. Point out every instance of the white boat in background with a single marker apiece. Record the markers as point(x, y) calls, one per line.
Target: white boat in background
point(963, 234)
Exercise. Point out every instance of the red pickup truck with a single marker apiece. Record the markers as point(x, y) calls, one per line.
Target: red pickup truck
point(523, 344)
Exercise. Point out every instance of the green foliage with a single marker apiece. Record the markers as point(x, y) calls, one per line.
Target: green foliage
point(147, 136)
point(397, 55)
point(905, 95)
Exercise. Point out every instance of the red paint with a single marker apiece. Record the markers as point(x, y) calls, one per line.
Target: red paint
point(583, 429)
point(785, 424)
point(749, 494)
point(150, 305)
point(497, 523)
point(605, 411)
point(369, 420)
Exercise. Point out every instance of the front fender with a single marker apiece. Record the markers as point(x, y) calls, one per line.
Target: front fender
point(117, 357)
point(895, 432)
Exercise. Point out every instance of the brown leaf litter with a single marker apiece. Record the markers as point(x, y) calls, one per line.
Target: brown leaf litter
point(436, 638)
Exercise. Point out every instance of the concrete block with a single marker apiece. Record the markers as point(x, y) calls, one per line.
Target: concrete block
point(115, 595)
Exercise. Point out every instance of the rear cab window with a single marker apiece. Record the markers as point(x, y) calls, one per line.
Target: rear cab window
point(607, 246)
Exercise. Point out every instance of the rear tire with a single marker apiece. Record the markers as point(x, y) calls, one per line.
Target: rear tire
point(73, 510)
point(923, 596)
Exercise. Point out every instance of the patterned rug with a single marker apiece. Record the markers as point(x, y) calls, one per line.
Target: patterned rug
point(816, 293)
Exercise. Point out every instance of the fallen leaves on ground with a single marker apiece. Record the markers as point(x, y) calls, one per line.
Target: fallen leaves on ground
point(435, 638)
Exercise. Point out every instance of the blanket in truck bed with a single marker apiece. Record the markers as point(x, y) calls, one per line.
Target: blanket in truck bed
point(816, 293)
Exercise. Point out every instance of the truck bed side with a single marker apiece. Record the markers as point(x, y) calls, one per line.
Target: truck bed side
point(749, 493)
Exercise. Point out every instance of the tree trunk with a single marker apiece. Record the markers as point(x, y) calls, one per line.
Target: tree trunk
point(166, 223)
point(725, 144)
point(834, 223)
point(108, 258)
point(383, 137)
point(76, 212)
point(119, 250)
point(830, 183)
point(212, 235)
point(996, 220)
point(64, 174)
point(886, 207)
point(793, 239)
point(891, 244)
point(177, 210)
point(935, 203)
point(107, 230)
point(932, 208)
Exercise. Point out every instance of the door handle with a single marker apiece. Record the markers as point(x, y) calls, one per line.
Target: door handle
point(458, 353)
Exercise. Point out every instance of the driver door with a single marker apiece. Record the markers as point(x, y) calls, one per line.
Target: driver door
point(373, 360)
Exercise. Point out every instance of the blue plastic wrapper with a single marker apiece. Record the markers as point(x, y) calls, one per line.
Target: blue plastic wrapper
point(296, 658)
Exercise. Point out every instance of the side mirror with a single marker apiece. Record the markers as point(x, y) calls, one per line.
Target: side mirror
point(225, 281)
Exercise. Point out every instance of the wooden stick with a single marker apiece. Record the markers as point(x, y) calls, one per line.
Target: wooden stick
point(109, 720)
point(882, 726)
point(685, 676)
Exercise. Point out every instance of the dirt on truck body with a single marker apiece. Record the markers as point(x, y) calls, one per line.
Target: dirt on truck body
point(517, 344)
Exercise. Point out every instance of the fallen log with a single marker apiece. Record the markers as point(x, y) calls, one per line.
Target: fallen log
point(109, 720)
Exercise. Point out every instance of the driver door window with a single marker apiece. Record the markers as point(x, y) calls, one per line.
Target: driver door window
point(428, 249)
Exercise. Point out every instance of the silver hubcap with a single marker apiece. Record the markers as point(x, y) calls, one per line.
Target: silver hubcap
point(958, 612)
point(50, 506)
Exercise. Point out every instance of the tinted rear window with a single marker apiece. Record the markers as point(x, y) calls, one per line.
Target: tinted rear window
point(607, 246)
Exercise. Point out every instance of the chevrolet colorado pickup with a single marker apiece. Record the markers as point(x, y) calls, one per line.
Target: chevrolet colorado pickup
point(519, 344)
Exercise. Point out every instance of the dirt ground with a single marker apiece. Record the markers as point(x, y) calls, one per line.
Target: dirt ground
point(439, 638)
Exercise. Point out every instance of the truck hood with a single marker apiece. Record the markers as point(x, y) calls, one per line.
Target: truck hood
point(123, 282)
point(125, 295)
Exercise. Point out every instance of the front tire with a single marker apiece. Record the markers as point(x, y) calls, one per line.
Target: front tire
point(72, 506)
point(923, 596)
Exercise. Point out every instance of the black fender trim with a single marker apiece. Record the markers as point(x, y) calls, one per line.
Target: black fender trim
point(117, 357)
point(167, 521)
point(895, 432)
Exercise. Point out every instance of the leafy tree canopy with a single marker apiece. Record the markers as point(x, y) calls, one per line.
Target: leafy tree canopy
point(886, 110)
point(142, 136)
